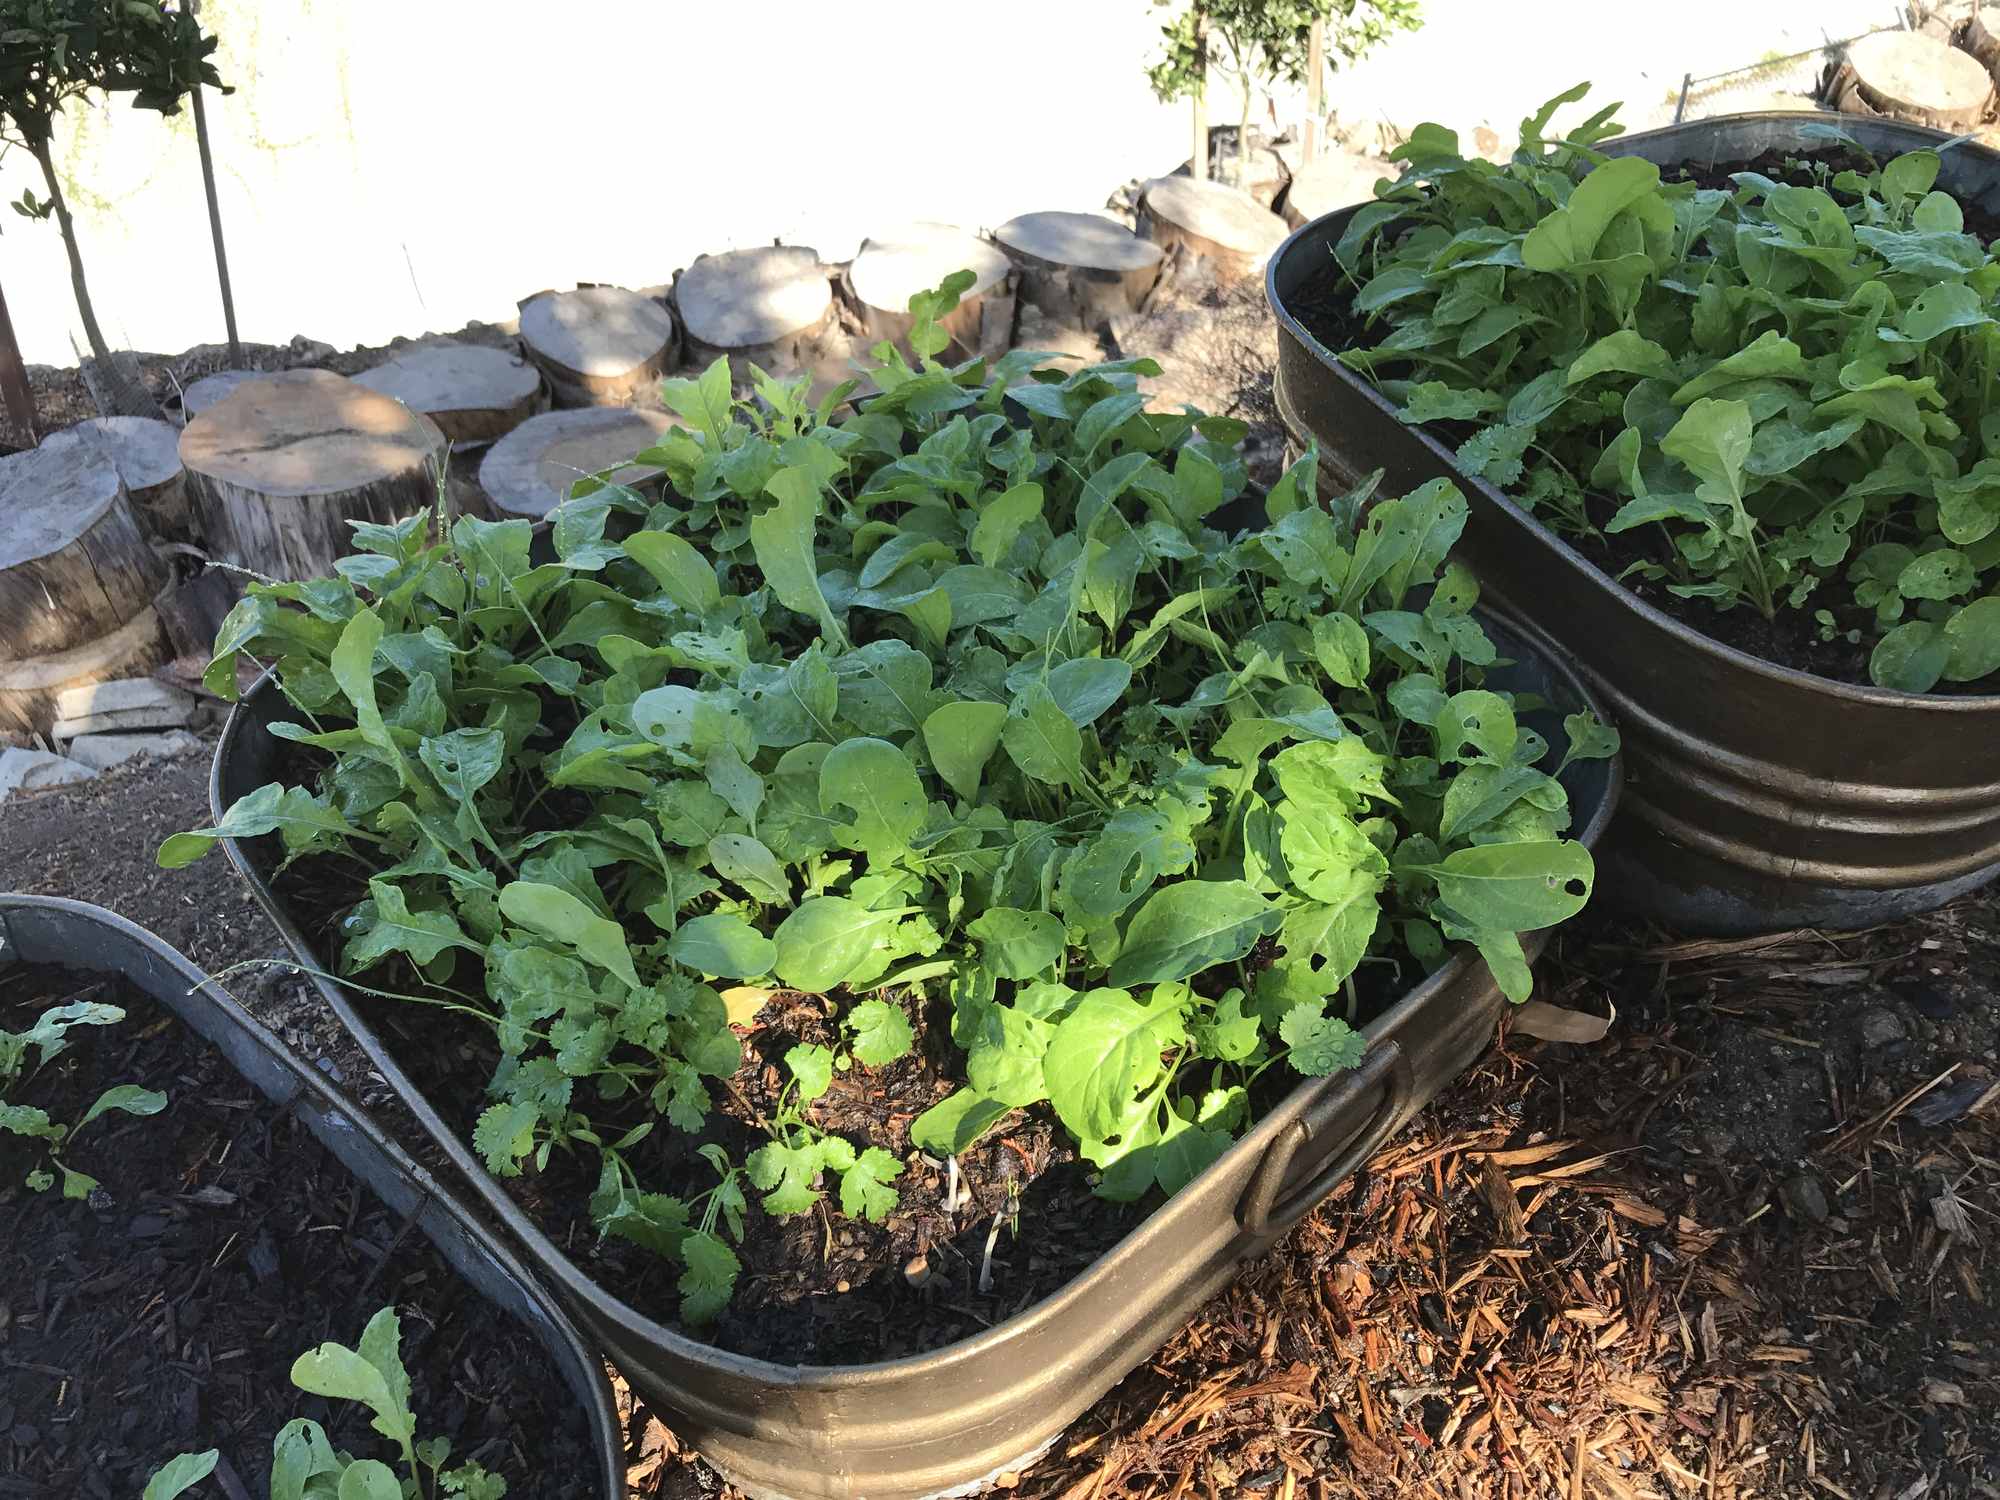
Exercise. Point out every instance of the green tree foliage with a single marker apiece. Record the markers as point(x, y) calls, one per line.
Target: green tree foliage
point(55, 51)
point(1268, 41)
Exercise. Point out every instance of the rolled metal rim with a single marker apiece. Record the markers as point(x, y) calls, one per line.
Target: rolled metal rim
point(605, 1442)
point(1684, 635)
point(585, 1289)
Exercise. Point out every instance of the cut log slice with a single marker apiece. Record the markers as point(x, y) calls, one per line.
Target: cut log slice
point(1265, 179)
point(277, 469)
point(598, 345)
point(146, 452)
point(770, 306)
point(1333, 182)
point(75, 562)
point(917, 258)
point(30, 687)
point(210, 389)
point(1982, 36)
point(474, 393)
point(1209, 231)
point(528, 473)
point(1909, 76)
point(1082, 270)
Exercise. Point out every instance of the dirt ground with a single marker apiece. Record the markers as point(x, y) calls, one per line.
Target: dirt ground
point(1745, 1247)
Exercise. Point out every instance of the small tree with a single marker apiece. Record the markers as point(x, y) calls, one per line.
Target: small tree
point(56, 51)
point(1267, 40)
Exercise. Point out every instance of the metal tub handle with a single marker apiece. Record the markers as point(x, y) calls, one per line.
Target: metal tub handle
point(1262, 1213)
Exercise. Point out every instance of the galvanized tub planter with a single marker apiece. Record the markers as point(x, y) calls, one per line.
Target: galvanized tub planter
point(949, 1422)
point(1760, 797)
point(82, 938)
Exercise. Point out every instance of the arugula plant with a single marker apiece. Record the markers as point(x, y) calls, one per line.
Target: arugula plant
point(1792, 380)
point(49, 1037)
point(967, 693)
point(305, 1466)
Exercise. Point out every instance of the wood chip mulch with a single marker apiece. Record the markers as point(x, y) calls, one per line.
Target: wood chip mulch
point(1741, 1248)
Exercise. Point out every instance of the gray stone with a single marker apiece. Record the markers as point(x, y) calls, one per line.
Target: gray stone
point(1882, 1027)
point(131, 703)
point(34, 770)
point(103, 751)
point(1805, 1199)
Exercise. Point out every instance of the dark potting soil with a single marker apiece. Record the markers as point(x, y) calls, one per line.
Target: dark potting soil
point(817, 1288)
point(1793, 638)
point(162, 1315)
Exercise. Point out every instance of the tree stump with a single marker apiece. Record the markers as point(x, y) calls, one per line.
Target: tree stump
point(598, 345)
point(30, 686)
point(1209, 231)
point(1264, 179)
point(1982, 36)
point(277, 469)
point(474, 393)
point(205, 392)
point(1332, 182)
point(146, 453)
point(528, 473)
point(75, 563)
point(770, 306)
point(1909, 76)
point(889, 271)
point(1080, 269)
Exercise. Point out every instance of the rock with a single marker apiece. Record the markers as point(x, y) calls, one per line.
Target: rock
point(1805, 1199)
point(1882, 1028)
point(1930, 999)
point(110, 707)
point(37, 770)
point(103, 751)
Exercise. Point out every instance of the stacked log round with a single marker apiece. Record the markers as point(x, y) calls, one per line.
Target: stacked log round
point(78, 577)
point(528, 473)
point(476, 394)
point(1081, 270)
point(1208, 231)
point(1906, 75)
point(598, 345)
point(278, 468)
point(146, 453)
point(1982, 36)
point(889, 270)
point(770, 306)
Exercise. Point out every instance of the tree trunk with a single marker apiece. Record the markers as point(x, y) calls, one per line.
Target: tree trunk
point(276, 470)
point(75, 564)
point(1982, 36)
point(1315, 88)
point(128, 402)
point(19, 396)
point(1199, 163)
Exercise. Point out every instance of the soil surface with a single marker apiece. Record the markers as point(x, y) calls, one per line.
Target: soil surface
point(816, 1288)
point(1793, 638)
point(163, 1313)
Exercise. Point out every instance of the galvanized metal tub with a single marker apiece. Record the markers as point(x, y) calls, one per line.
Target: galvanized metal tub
point(948, 1422)
point(1759, 798)
point(82, 938)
